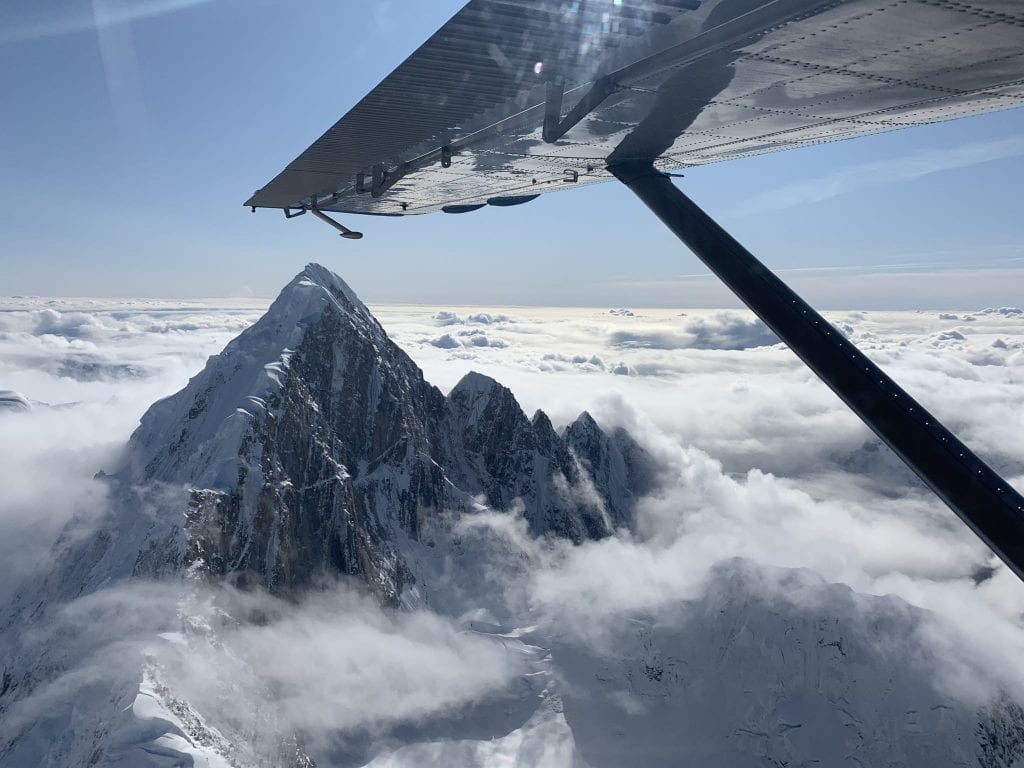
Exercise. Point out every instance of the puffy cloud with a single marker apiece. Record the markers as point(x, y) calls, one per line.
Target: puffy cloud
point(71, 325)
point(1004, 311)
point(446, 318)
point(445, 341)
point(484, 318)
point(590, 363)
point(724, 330)
point(476, 338)
point(480, 340)
point(466, 339)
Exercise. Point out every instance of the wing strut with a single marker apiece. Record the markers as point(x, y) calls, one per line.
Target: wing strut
point(982, 499)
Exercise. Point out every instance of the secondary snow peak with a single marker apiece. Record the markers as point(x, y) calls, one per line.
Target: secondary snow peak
point(474, 384)
point(318, 276)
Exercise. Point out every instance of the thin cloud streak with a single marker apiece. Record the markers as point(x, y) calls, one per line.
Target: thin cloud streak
point(85, 18)
point(121, 68)
point(886, 287)
point(880, 173)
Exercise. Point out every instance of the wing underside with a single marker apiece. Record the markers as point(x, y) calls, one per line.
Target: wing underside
point(513, 98)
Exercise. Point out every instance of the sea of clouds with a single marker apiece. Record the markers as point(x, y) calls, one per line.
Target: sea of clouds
point(758, 461)
point(764, 462)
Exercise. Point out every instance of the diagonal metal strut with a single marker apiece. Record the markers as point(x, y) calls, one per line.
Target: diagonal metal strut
point(982, 499)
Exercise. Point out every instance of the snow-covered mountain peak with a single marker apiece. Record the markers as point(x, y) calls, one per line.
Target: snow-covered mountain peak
point(316, 277)
point(320, 275)
point(585, 423)
point(193, 436)
point(304, 300)
point(476, 394)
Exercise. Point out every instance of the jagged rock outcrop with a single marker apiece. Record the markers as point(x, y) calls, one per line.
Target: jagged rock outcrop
point(312, 444)
point(508, 458)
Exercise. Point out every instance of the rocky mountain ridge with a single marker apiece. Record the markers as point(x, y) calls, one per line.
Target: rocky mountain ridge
point(312, 443)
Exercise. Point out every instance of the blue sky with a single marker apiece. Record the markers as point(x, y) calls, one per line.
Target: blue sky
point(133, 131)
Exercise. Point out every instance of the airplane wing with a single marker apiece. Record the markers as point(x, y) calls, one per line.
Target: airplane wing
point(512, 98)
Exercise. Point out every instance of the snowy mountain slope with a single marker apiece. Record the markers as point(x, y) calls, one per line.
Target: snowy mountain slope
point(767, 667)
point(764, 667)
point(747, 676)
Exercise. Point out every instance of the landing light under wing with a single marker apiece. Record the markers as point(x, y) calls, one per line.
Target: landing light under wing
point(512, 98)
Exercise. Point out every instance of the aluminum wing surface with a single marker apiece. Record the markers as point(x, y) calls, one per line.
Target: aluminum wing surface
point(511, 98)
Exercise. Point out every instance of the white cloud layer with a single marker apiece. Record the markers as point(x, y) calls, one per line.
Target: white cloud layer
point(758, 461)
point(764, 463)
point(250, 665)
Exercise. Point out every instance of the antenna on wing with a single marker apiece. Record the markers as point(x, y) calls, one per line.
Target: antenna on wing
point(345, 231)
